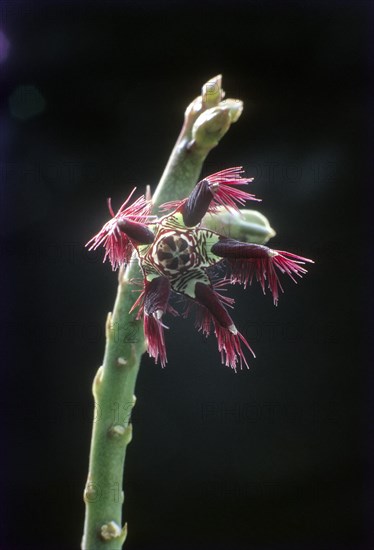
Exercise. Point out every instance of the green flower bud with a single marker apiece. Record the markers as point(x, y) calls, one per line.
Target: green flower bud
point(234, 107)
point(212, 92)
point(210, 126)
point(209, 116)
point(245, 225)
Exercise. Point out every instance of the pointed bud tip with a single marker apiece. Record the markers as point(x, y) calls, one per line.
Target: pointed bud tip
point(233, 329)
point(271, 233)
point(211, 92)
point(213, 84)
point(234, 108)
point(158, 314)
point(217, 78)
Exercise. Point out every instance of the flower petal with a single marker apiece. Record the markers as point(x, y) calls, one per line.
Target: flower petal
point(219, 189)
point(230, 347)
point(152, 303)
point(154, 331)
point(156, 295)
point(197, 204)
point(228, 337)
point(254, 260)
point(136, 231)
point(118, 245)
point(224, 185)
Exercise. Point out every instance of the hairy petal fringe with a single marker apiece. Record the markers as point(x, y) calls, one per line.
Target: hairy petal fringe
point(118, 246)
point(154, 331)
point(210, 308)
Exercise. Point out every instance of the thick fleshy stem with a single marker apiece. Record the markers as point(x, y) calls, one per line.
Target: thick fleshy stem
point(207, 119)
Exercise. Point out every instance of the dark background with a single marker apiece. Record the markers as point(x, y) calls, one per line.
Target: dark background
point(92, 96)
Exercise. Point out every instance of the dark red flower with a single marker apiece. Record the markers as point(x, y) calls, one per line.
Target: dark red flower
point(177, 255)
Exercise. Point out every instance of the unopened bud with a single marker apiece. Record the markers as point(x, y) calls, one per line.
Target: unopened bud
point(209, 116)
point(234, 107)
point(245, 225)
point(212, 92)
point(210, 127)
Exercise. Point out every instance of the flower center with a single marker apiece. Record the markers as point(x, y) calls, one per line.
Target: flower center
point(174, 253)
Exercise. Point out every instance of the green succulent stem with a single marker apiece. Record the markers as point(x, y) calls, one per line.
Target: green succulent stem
point(206, 121)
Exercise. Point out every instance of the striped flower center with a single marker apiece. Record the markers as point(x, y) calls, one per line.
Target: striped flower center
point(174, 252)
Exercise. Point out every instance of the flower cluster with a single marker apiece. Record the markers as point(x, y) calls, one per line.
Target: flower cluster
point(177, 254)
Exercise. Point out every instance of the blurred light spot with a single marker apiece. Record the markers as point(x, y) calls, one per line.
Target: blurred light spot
point(4, 47)
point(26, 102)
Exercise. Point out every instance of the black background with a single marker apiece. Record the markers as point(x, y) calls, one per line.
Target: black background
point(272, 457)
